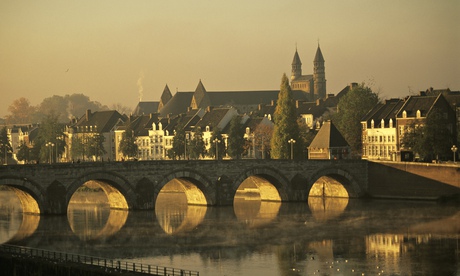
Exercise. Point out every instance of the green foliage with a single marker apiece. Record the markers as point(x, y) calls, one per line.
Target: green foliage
point(23, 153)
point(431, 140)
point(286, 126)
point(178, 147)
point(351, 109)
point(217, 141)
point(196, 146)
point(5, 145)
point(235, 138)
point(50, 133)
point(128, 146)
point(262, 140)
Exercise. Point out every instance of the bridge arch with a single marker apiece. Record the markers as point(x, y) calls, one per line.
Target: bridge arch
point(29, 193)
point(119, 191)
point(197, 187)
point(277, 181)
point(347, 180)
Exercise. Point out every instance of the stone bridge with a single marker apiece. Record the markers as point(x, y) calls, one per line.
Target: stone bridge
point(47, 189)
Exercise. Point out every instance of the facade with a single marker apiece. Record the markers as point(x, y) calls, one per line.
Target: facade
point(379, 131)
point(84, 134)
point(414, 112)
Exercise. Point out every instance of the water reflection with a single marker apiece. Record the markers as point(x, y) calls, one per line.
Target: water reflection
point(14, 224)
point(95, 221)
point(255, 213)
point(327, 208)
point(175, 215)
point(90, 216)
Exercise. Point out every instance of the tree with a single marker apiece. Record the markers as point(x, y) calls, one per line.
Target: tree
point(262, 139)
point(50, 133)
point(351, 109)
point(217, 141)
point(5, 145)
point(431, 140)
point(286, 126)
point(178, 146)
point(96, 145)
point(128, 146)
point(23, 153)
point(235, 138)
point(196, 147)
point(21, 112)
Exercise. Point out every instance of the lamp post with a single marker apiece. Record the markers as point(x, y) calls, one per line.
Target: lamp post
point(216, 141)
point(292, 142)
point(454, 150)
point(50, 145)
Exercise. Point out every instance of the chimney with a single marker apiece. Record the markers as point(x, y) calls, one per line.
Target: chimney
point(88, 114)
point(353, 85)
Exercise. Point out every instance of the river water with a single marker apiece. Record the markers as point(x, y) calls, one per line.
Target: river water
point(324, 236)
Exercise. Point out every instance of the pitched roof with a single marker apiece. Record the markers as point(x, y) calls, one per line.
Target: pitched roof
point(383, 111)
point(178, 104)
point(104, 120)
point(414, 103)
point(146, 108)
point(328, 136)
point(212, 118)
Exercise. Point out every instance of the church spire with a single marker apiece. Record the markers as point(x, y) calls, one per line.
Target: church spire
point(319, 75)
point(296, 66)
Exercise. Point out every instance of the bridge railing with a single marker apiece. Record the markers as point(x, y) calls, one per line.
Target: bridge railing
point(106, 264)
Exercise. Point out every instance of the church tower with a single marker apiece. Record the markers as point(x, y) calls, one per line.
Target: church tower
point(319, 75)
point(296, 71)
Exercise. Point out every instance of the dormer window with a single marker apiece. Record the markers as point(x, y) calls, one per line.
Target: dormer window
point(248, 130)
point(269, 117)
point(391, 123)
point(404, 114)
point(372, 123)
point(418, 114)
point(154, 126)
point(382, 123)
point(207, 129)
point(160, 126)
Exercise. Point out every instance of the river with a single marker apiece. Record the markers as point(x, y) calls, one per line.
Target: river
point(324, 236)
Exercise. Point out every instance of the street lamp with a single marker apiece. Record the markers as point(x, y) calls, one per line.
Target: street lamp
point(292, 142)
point(454, 150)
point(51, 145)
point(216, 141)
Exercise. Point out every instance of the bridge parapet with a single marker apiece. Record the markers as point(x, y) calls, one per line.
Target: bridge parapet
point(53, 185)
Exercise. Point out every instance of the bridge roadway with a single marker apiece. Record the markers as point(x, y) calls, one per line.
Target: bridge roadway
point(48, 188)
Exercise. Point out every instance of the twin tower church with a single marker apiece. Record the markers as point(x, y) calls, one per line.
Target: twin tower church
point(306, 88)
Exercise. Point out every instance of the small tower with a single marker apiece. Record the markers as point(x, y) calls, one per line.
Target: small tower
point(296, 66)
point(319, 75)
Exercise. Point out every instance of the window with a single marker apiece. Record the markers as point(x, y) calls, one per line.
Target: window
point(372, 123)
point(404, 114)
point(391, 123)
point(418, 115)
point(382, 123)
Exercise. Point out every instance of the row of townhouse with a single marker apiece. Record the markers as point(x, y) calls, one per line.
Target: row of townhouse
point(383, 128)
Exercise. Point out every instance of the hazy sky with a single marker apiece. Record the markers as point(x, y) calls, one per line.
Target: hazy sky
point(105, 49)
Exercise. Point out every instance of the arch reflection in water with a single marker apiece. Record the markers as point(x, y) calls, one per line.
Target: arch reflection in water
point(15, 225)
point(327, 186)
point(90, 214)
point(327, 208)
point(257, 202)
point(173, 211)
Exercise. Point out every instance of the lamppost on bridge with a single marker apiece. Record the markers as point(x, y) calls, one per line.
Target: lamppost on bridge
point(454, 150)
point(292, 142)
point(216, 141)
point(50, 145)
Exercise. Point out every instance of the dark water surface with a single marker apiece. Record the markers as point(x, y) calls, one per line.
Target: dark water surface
point(321, 237)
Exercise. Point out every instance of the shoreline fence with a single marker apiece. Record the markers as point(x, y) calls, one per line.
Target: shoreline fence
point(111, 265)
